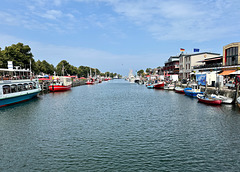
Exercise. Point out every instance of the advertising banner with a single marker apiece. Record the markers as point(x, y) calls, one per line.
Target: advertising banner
point(201, 79)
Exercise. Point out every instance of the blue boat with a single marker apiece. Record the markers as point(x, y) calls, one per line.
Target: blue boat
point(193, 91)
point(150, 87)
point(16, 91)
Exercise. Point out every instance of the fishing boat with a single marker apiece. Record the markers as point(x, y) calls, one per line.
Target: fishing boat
point(179, 90)
point(60, 83)
point(208, 99)
point(159, 85)
point(193, 91)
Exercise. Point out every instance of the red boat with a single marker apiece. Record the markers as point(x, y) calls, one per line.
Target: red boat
point(208, 100)
point(159, 85)
point(60, 84)
point(58, 87)
point(90, 81)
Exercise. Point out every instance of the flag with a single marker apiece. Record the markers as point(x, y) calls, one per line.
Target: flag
point(182, 49)
point(196, 50)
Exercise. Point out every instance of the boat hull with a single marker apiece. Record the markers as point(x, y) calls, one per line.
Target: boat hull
point(238, 102)
point(210, 101)
point(189, 92)
point(169, 87)
point(159, 86)
point(18, 98)
point(179, 90)
point(56, 88)
point(150, 86)
point(89, 83)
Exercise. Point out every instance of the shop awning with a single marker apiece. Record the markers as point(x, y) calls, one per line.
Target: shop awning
point(235, 73)
point(227, 72)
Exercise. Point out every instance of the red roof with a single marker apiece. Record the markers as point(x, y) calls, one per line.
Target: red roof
point(82, 78)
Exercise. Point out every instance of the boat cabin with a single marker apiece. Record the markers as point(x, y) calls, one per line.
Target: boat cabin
point(8, 88)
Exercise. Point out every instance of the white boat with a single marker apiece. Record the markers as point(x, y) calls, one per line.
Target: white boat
point(224, 99)
point(16, 89)
point(131, 77)
point(238, 102)
point(179, 90)
point(169, 87)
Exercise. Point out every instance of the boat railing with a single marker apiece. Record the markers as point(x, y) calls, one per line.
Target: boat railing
point(15, 77)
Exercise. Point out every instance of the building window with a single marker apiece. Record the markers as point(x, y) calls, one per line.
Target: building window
point(232, 56)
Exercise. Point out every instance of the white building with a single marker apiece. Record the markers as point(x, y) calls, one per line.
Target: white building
point(188, 61)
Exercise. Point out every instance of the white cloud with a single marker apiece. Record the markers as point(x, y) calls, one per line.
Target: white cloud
point(8, 19)
point(181, 20)
point(52, 14)
point(166, 20)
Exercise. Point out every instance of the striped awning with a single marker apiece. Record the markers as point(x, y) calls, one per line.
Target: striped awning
point(227, 72)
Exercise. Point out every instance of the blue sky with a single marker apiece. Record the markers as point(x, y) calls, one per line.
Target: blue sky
point(118, 35)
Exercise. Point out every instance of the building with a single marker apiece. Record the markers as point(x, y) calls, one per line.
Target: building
point(209, 64)
point(231, 54)
point(187, 62)
point(172, 65)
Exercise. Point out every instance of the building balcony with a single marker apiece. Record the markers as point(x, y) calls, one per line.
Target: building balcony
point(208, 66)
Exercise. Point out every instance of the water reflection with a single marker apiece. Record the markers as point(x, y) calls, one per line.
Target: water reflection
point(117, 126)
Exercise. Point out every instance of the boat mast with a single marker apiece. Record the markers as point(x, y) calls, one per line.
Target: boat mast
point(90, 72)
point(63, 70)
point(95, 74)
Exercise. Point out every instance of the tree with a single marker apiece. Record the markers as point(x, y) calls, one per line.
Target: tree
point(148, 70)
point(140, 72)
point(63, 68)
point(44, 67)
point(20, 55)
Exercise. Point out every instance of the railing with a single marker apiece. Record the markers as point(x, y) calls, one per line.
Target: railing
point(14, 77)
point(208, 66)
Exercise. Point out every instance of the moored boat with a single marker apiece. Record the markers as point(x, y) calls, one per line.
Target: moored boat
point(159, 85)
point(90, 82)
point(193, 91)
point(16, 91)
point(238, 102)
point(209, 100)
point(62, 83)
point(150, 86)
point(169, 87)
point(179, 90)
point(17, 85)
point(226, 100)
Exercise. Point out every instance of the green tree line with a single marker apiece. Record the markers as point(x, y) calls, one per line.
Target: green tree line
point(21, 56)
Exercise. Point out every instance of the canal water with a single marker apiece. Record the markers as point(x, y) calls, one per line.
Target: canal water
point(118, 126)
